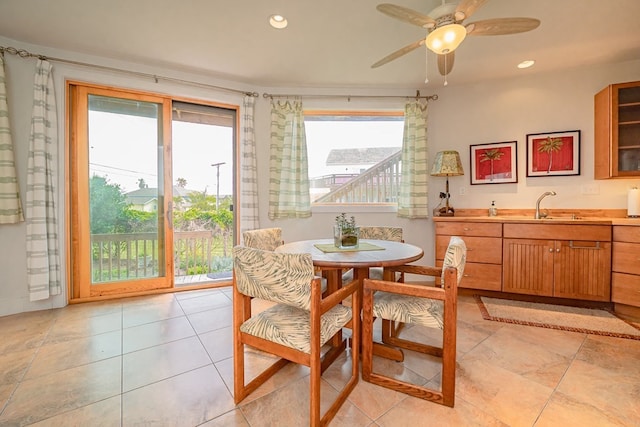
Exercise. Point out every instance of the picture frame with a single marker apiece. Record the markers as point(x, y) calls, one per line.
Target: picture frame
point(553, 153)
point(494, 163)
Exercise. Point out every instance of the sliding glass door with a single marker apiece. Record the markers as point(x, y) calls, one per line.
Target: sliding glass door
point(202, 162)
point(152, 192)
point(119, 144)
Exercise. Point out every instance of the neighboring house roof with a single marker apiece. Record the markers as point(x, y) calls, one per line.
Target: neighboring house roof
point(142, 196)
point(359, 156)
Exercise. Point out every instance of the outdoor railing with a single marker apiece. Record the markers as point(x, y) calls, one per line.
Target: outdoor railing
point(378, 184)
point(136, 255)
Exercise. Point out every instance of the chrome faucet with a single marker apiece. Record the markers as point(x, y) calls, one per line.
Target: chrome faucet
point(543, 214)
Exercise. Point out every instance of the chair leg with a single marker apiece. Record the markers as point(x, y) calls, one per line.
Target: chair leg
point(367, 333)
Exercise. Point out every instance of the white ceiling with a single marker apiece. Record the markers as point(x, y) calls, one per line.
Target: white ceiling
point(329, 43)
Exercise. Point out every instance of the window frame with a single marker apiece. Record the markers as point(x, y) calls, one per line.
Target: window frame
point(380, 207)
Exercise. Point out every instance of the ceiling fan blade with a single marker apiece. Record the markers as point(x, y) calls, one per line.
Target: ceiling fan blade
point(468, 8)
point(445, 63)
point(406, 15)
point(398, 53)
point(502, 26)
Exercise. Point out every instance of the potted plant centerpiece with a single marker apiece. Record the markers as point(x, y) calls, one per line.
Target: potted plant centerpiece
point(345, 232)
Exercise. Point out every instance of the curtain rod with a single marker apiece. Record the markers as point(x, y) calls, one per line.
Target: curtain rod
point(349, 97)
point(25, 54)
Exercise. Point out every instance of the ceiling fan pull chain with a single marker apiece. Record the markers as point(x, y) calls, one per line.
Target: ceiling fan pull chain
point(426, 65)
point(446, 68)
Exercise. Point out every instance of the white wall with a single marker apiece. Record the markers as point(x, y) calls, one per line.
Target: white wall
point(464, 115)
point(509, 110)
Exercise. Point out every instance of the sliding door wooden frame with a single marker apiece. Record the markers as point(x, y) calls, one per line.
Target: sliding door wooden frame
point(80, 239)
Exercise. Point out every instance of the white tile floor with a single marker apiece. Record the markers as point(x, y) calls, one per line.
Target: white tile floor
point(166, 360)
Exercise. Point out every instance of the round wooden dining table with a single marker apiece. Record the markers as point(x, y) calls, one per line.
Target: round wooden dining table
point(389, 254)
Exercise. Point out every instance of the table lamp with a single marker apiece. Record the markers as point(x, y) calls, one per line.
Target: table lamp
point(447, 163)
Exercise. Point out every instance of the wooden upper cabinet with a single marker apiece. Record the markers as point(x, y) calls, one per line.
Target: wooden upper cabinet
point(617, 131)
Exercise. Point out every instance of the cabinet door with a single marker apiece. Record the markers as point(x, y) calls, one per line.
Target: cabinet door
point(617, 131)
point(479, 249)
point(528, 266)
point(625, 289)
point(582, 270)
point(626, 258)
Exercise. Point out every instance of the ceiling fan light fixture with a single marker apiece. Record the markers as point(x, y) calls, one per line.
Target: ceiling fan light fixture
point(446, 39)
point(526, 64)
point(278, 21)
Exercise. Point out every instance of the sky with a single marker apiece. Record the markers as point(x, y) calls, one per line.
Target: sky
point(124, 149)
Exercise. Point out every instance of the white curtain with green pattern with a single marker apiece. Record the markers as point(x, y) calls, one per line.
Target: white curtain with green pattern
point(10, 206)
point(43, 256)
point(412, 202)
point(288, 163)
point(249, 218)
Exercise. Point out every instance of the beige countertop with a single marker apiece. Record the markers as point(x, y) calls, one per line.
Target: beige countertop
point(552, 219)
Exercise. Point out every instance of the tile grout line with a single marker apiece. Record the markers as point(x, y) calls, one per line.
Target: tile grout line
point(555, 389)
point(35, 353)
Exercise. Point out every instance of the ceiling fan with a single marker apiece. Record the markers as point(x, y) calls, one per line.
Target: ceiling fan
point(445, 29)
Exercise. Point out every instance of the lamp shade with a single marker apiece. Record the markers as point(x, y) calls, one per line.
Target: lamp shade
point(446, 39)
point(447, 163)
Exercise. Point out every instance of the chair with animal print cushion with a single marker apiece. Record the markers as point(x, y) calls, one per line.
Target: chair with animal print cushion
point(295, 328)
point(416, 306)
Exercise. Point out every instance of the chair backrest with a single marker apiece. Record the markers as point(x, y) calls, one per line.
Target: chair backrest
point(267, 239)
point(382, 233)
point(456, 256)
point(278, 277)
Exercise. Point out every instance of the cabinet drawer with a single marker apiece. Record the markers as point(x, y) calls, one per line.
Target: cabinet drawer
point(626, 233)
point(481, 276)
point(479, 249)
point(489, 229)
point(626, 257)
point(558, 232)
point(625, 289)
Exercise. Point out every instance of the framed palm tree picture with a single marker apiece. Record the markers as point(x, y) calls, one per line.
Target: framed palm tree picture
point(494, 163)
point(553, 153)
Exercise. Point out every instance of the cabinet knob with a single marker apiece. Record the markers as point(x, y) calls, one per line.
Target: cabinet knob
point(466, 229)
point(550, 249)
point(558, 250)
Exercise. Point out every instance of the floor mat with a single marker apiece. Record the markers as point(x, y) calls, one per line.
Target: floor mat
point(575, 319)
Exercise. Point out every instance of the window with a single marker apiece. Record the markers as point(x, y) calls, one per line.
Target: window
point(354, 157)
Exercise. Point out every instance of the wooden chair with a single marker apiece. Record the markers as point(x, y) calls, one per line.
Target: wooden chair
point(423, 305)
point(296, 327)
point(267, 239)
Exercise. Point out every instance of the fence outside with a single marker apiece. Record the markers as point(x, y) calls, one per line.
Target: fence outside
point(136, 255)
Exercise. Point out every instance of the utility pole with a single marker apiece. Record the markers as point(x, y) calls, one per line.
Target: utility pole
point(217, 166)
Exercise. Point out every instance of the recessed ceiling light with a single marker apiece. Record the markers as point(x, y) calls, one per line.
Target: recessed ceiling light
point(526, 64)
point(278, 21)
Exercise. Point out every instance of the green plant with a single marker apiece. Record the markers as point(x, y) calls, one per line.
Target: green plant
point(346, 231)
point(348, 226)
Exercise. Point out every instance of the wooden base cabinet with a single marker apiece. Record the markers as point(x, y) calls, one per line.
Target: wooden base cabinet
point(536, 264)
point(625, 286)
point(528, 266)
point(483, 269)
